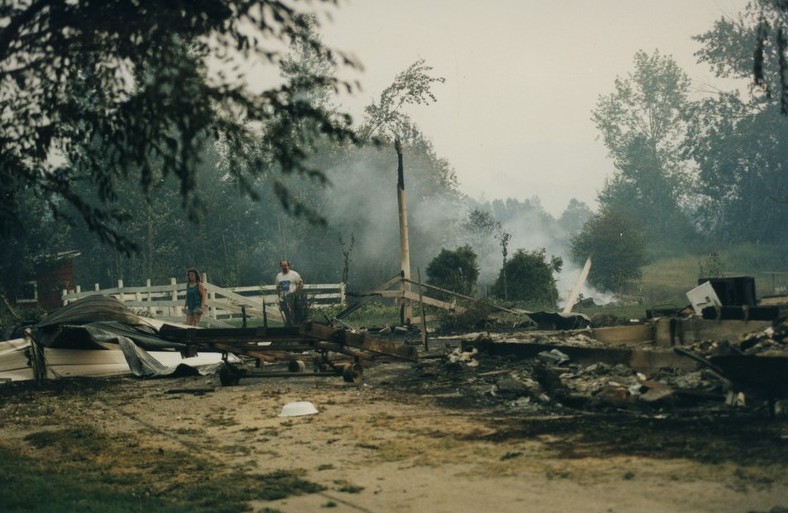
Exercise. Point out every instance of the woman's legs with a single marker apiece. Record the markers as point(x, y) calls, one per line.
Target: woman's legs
point(193, 319)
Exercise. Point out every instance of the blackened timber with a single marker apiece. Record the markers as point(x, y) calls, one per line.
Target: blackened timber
point(259, 340)
point(360, 341)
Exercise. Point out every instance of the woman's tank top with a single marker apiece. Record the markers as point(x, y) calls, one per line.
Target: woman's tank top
point(193, 296)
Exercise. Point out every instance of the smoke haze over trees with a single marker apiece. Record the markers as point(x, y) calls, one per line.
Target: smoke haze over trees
point(689, 173)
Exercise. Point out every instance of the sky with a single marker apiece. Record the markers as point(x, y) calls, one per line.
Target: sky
point(513, 117)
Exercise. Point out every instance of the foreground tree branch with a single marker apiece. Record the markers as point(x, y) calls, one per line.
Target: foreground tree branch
point(117, 91)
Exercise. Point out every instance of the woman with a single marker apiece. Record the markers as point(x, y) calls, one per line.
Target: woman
point(195, 297)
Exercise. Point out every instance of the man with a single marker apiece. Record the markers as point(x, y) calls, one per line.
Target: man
point(287, 281)
point(288, 284)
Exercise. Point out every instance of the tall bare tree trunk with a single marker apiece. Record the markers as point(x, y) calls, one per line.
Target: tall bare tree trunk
point(406, 314)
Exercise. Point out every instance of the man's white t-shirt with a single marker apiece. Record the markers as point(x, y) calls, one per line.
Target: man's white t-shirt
point(288, 283)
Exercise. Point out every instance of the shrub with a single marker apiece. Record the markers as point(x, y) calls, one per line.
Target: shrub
point(454, 270)
point(528, 277)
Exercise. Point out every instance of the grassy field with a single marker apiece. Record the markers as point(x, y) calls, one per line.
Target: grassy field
point(669, 279)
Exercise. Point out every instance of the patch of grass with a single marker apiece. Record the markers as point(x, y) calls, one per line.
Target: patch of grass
point(220, 421)
point(83, 470)
point(72, 440)
point(188, 431)
point(374, 314)
point(234, 449)
point(344, 486)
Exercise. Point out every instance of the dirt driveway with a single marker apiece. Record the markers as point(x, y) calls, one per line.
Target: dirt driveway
point(412, 438)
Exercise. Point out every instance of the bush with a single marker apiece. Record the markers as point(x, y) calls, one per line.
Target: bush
point(456, 270)
point(618, 248)
point(528, 277)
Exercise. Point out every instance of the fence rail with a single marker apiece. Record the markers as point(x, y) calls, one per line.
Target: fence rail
point(166, 301)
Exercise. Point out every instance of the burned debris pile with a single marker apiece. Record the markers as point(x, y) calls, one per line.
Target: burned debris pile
point(571, 369)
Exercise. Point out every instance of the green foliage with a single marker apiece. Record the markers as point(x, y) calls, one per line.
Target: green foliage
point(370, 315)
point(739, 147)
point(233, 240)
point(643, 124)
point(529, 278)
point(480, 227)
point(574, 217)
point(412, 86)
point(737, 138)
point(122, 90)
point(711, 266)
point(456, 270)
point(617, 247)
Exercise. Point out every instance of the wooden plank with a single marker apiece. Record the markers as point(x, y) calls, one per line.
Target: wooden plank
point(468, 298)
point(636, 334)
point(434, 302)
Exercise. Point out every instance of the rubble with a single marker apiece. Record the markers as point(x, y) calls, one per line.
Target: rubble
point(571, 369)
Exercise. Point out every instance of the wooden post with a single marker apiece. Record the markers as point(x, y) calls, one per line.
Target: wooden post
point(407, 311)
point(174, 297)
point(423, 316)
point(211, 297)
point(120, 292)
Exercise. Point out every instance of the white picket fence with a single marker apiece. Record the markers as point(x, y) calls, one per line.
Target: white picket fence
point(167, 301)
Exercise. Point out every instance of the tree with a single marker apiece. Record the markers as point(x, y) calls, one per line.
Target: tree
point(574, 217)
point(615, 242)
point(412, 86)
point(364, 206)
point(742, 184)
point(738, 139)
point(454, 270)
point(770, 55)
point(643, 124)
point(42, 239)
point(132, 78)
point(481, 227)
point(530, 278)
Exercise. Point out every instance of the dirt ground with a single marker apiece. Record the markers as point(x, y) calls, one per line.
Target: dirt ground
point(419, 438)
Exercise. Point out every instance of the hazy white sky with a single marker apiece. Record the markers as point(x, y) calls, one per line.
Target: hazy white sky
point(522, 76)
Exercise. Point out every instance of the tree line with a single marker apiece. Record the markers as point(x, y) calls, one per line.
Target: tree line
point(121, 142)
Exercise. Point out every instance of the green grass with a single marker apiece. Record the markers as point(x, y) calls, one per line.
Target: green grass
point(668, 280)
point(83, 470)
